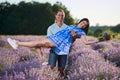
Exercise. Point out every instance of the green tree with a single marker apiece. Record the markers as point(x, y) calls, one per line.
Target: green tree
point(98, 32)
point(68, 18)
point(116, 28)
point(29, 18)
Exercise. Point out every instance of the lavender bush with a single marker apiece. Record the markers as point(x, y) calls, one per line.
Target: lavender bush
point(99, 61)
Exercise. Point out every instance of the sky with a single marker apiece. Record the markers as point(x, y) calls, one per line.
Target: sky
point(101, 12)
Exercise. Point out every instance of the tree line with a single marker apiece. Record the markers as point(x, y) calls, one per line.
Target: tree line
point(29, 17)
point(33, 18)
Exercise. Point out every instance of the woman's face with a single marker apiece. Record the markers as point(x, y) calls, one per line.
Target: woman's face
point(59, 16)
point(83, 24)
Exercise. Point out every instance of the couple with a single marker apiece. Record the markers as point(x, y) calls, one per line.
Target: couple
point(59, 42)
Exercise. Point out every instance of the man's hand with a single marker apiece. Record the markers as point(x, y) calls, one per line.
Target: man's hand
point(74, 35)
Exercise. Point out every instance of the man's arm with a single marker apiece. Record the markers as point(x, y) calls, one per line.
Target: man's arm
point(74, 35)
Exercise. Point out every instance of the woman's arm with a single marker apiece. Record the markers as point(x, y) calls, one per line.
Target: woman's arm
point(84, 40)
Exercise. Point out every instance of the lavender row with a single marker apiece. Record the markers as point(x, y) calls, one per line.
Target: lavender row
point(99, 61)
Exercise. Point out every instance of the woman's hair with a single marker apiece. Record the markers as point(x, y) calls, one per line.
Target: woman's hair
point(87, 27)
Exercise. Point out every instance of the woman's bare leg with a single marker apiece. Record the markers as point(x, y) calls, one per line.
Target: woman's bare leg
point(40, 55)
point(39, 43)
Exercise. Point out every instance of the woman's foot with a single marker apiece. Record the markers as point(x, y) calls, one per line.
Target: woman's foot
point(41, 58)
point(12, 43)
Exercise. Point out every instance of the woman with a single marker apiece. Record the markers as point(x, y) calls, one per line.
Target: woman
point(61, 41)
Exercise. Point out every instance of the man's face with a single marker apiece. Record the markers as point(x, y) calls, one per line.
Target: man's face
point(59, 16)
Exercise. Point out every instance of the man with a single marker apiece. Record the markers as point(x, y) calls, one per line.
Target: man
point(54, 57)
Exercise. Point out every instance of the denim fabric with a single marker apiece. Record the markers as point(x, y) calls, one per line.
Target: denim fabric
point(53, 58)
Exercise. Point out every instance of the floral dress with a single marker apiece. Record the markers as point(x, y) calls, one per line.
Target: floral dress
point(63, 38)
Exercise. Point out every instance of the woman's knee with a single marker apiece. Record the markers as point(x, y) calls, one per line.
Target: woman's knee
point(47, 44)
point(44, 43)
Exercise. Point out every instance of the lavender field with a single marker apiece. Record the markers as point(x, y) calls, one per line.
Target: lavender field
point(99, 61)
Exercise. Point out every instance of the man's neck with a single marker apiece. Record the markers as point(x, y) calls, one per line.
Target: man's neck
point(59, 24)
